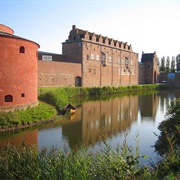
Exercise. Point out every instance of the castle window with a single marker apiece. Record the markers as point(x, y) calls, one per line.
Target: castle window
point(22, 95)
point(92, 56)
point(110, 59)
point(126, 61)
point(131, 62)
point(103, 59)
point(94, 71)
point(103, 40)
point(74, 37)
point(89, 70)
point(22, 49)
point(97, 57)
point(97, 39)
point(46, 58)
point(90, 37)
point(109, 42)
point(8, 98)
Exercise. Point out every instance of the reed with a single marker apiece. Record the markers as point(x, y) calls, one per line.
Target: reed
point(26, 162)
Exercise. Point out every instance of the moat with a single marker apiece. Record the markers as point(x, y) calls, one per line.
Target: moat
point(134, 116)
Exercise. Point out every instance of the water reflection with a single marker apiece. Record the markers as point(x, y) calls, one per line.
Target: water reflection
point(17, 138)
point(113, 117)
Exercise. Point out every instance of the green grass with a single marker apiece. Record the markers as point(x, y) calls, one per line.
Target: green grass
point(60, 96)
point(42, 112)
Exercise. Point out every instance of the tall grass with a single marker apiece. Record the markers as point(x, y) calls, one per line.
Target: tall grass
point(27, 163)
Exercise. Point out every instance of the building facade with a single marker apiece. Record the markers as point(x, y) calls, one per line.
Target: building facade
point(149, 68)
point(18, 71)
point(87, 60)
point(104, 61)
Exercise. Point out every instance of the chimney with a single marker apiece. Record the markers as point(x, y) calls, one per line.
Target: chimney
point(73, 27)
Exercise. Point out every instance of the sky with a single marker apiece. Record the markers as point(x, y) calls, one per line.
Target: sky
point(148, 25)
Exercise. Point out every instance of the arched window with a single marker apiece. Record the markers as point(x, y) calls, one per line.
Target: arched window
point(78, 81)
point(8, 98)
point(22, 49)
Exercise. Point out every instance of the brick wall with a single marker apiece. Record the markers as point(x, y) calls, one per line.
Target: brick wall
point(57, 73)
point(52, 56)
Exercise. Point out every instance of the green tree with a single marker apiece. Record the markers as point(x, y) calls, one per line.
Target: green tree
point(168, 64)
point(173, 64)
point(168, 139)
point(178, 62)
point(162, 67)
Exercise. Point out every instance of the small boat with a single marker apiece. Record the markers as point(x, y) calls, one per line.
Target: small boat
point(69, 108)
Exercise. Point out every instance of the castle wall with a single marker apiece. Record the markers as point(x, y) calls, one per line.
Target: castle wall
point(51, 56)
point(57, 73)
point(177, 78)
point(73, 51)
point(18, 73)
point(141, 73)
point(149, 68)
point(110, 70)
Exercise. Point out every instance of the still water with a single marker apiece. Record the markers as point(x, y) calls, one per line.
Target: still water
point(134, 116)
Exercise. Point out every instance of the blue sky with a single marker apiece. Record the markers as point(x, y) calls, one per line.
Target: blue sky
point(149, 25)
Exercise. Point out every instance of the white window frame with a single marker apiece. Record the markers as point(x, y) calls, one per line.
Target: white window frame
point(46, 58)
point(110, 59)
point(92, 56)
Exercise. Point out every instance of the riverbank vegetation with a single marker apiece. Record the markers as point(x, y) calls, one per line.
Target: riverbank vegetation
point(57, 97)
point(26, 162)
point(60, 96)
point(17, 119)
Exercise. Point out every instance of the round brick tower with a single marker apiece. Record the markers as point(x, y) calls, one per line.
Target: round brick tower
point(18, 71)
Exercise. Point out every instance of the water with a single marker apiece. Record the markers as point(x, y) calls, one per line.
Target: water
point(135, 116)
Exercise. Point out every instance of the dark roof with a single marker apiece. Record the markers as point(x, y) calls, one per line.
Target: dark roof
point(16, 37)
point(147, 57)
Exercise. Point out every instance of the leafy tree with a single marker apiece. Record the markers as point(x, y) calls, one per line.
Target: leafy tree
point(173, 64)
point(169, 140)
point(178, 62)
point(168, 64)
point(162, 67)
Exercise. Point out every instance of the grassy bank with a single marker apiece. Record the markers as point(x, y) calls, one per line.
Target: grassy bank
point(17, 119)
point(59, 97)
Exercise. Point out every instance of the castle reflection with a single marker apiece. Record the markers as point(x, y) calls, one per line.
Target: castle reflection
point(108, 117)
